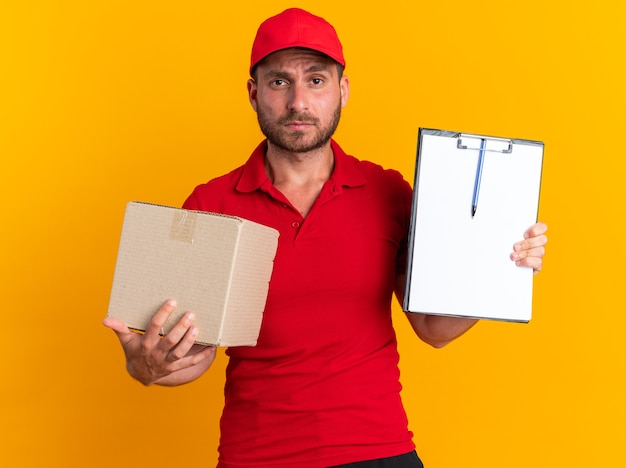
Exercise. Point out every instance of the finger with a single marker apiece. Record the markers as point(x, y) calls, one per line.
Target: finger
point(536, 263)
point(198, 360)
point(124, 334)
point(534, 252)
point(534, 236)
point(179, 332)
point(195, 356)
point(535, 230)
point(530, 243)
point(201, 352)
point(181, 348)
point(116, 325)
point(153, 333)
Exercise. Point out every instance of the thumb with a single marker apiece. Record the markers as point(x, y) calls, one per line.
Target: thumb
point(116, 325)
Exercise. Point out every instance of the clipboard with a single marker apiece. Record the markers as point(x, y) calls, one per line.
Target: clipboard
point(474, 196)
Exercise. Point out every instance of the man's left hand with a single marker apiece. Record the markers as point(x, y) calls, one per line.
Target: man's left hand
point(530, 251)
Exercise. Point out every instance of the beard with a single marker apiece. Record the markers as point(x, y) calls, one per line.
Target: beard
point(296, 142)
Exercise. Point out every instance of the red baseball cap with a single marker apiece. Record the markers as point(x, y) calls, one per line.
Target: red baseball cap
point(295, 27)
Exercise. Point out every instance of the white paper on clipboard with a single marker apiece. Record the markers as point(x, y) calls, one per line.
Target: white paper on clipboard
point(458, 264)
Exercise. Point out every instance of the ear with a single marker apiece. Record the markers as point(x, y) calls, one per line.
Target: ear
point(344, 89)
point(252, 92)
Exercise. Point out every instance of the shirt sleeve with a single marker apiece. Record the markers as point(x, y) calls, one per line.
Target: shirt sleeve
point(191, 203)
point(405, 202)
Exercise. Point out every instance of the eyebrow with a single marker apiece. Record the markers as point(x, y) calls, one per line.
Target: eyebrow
point(318, 67)
point(275, 74)
point(283, 74)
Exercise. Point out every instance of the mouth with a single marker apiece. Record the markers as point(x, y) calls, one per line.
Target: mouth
point(296, 124)
point(295, 121)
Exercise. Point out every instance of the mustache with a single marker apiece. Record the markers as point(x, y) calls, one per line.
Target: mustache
point(297, 117)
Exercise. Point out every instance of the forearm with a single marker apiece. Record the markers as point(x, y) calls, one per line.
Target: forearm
point(437, 330)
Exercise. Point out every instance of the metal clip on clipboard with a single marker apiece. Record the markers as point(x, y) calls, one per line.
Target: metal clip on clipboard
point(477, 139)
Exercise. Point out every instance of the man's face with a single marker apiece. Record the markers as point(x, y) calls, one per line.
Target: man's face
point(298, 97)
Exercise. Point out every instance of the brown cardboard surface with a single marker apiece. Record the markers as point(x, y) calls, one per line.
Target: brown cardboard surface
point(217, 266)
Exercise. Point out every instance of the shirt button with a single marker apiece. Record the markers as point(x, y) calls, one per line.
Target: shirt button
point(295, 225)
point(285, 205)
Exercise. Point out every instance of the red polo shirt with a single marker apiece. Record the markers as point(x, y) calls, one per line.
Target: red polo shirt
point(321, 387)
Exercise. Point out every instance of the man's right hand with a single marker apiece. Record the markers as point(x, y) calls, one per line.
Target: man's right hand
point(172, 359)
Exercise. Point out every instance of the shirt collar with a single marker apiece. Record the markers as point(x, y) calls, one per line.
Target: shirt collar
point(345, 173)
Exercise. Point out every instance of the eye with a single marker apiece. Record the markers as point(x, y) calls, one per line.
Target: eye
point(278, 82)
point(317, 81)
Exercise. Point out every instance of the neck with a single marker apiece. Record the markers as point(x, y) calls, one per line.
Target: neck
point(300, 176)
point(299, 168)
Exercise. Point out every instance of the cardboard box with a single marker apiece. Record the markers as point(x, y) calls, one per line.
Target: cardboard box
point(217, 266)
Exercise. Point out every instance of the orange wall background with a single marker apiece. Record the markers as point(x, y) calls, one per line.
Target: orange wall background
point(103, 102)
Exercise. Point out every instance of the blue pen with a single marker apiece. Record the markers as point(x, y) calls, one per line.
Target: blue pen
point(479, 174)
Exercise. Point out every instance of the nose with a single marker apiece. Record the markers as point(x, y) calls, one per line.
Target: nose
point(298, 98)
